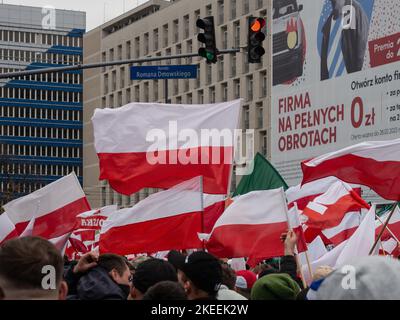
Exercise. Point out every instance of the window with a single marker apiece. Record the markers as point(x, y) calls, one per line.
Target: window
point(221, 12)
point(176, 30)
point(246, 117)
point(249, 81)
point(186, 26)
point(128, 50)
point(212, 95)
point(165, 35)
point(246, 7)
point(221, 68)
point(155, 39)
point(236, 85)
point(224, 36)
point(260, 115)
point(146, 43)
point(200, 97)
point(264, 143)
point(236, 27)
point(233, 9)
point(224, 89)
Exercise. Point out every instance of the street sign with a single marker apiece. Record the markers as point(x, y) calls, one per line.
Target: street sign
point(164, 72)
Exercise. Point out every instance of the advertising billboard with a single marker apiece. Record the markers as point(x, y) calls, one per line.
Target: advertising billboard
point(336, 77)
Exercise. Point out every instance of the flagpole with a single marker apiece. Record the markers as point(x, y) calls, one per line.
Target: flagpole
point(296, 256)
point(387, 228)
point(383, 229)
point(202, 210)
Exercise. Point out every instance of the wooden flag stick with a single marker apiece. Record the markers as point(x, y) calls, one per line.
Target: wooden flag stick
point(303, 280)
point(309, 265)
point(390, 231)
point(383, 229)
point(383, 249)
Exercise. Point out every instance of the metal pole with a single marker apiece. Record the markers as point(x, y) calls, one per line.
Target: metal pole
point(166, 90)
point(105, 64)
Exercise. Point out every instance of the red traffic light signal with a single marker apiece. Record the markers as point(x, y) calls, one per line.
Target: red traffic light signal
point(255, 39)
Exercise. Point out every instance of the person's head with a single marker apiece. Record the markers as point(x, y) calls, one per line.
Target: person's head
point(31, 268)
point(228, 276)
point(369, 278)
point(245, 280)
point(201, 275)
point(149, 273)
point(266, 269)
point(337, 7)
point(117, 268)
point(165, 290)
point(279, 286)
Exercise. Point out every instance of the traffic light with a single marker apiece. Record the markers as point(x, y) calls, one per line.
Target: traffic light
point(256, 37)
point(210, 50)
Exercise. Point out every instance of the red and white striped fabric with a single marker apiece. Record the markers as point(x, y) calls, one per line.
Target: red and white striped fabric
point(7, 228)
point(374, 164)
point(86, 234)
point(345, 229)
point(54, 208)
point(214, 207)
point(167, 220)
point(251, 226)
point(328, 210)
point(393, 225)
point(295, 224)
point(303, 194)
point(160, 145)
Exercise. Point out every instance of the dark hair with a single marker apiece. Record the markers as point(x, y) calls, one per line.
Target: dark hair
point(151, 272)
point(165, 290)
point(228, 276)
point(22, 261)
point(109, 261)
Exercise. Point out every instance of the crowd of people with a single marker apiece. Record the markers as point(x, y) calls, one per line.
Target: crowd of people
point(32, 268)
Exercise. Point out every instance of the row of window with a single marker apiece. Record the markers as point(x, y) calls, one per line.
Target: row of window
point(41, 151)
point(25, 169)
point(180, 30)
point(40, 38)
point(40, 113)
point(42, 95)
point(21, 186)
point(39, 57)
point(40, 132)
point(67, 78)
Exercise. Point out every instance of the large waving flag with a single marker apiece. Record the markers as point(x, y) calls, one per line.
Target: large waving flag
point(160, 145)
point(357, 246)
point(393, 225)
point(263, 177)
point(7, 228)
point(251, 226)
point(373, 164)
point(214, 207)
point(53, 207)
point(303, 194)
point(166, 220)
point(328, 210)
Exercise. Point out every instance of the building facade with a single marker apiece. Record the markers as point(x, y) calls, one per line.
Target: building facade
point(40, 115)
point(162, 28)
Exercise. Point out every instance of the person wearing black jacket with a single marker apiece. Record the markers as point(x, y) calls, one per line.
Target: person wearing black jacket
point(105, 277)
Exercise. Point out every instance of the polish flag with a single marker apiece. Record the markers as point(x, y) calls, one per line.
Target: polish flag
point(344, 230)
point(87, 229)
point(374, 164)
point(328, 210)
point(54, 208)
point(303, 194)
point(7, 228)
point(295, 224)
point(393, 225)
point(214, 207)
point(357, 246)
point(251, 226)
point(161, 145)
point(167, 220)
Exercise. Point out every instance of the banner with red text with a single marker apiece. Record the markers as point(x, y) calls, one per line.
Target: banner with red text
point(336, 77)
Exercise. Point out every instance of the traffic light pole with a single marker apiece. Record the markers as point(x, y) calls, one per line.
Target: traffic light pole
point(106, 64)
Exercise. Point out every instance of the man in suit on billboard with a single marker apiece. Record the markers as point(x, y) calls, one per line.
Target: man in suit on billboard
point(352, 36)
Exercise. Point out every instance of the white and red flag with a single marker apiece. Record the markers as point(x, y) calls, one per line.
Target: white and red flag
point(374, 164)
point(251, 226)
point(54, 208)
point(7, 228)
point(86, 233)
point(166, 220)
point(344, 230)
point(328, 210)
point(393, 225)
point(296, 225)
point(303, 194)
point(161, 145)
point(214, 207)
